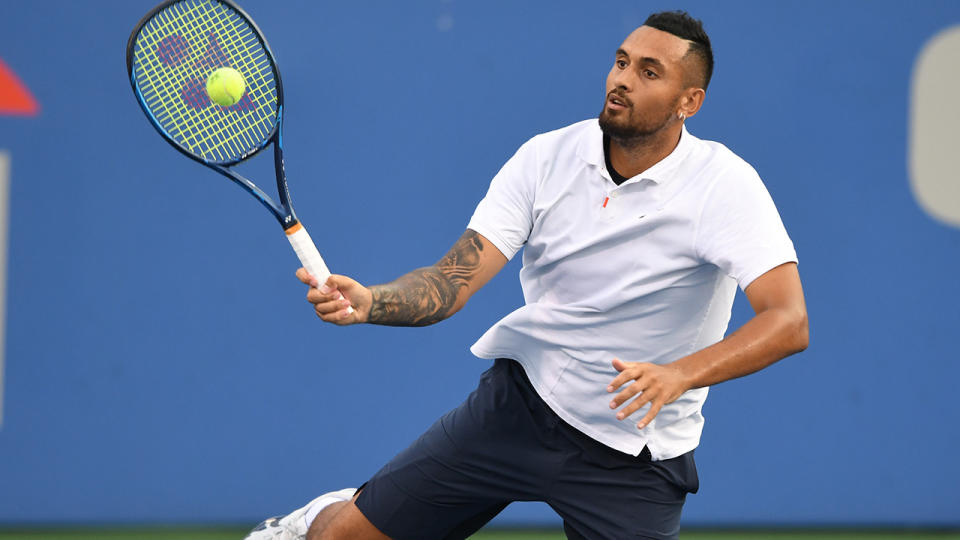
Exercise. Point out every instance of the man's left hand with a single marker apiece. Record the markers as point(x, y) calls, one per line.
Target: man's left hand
point(656, 384)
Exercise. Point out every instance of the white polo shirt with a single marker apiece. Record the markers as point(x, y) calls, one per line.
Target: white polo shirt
point(645, 271)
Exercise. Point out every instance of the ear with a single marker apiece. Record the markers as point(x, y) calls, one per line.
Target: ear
point(690, 101)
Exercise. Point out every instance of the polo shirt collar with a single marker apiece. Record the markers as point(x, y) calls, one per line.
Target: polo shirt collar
point(590, 150)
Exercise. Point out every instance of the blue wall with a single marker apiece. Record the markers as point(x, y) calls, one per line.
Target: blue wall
point(163, 366)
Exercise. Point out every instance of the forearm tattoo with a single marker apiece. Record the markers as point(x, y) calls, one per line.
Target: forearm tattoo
point(428, 295)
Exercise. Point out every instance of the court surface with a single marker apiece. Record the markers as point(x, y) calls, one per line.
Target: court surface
point(162, 533)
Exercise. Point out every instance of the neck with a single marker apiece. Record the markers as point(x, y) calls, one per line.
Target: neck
point(631, 157)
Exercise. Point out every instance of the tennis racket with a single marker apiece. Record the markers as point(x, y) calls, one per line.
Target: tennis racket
point(171, 53)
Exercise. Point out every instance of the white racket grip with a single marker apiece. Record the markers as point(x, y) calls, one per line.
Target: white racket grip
point(308, 254)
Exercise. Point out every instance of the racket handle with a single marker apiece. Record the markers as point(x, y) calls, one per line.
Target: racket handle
point(309, 256)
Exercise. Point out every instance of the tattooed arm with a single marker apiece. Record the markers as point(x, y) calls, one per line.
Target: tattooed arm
point(430, 294)
point(424, 296)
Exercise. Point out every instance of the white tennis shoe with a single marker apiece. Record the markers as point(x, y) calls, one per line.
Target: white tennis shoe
point(294, 526)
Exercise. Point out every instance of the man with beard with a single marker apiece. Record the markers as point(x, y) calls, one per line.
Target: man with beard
point(637, 235)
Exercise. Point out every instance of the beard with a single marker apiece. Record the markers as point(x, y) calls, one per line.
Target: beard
point(627, 131)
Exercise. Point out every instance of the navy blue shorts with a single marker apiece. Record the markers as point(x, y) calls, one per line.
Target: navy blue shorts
point(504, 444)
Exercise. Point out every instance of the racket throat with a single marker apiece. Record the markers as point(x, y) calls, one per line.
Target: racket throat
point(283, 192)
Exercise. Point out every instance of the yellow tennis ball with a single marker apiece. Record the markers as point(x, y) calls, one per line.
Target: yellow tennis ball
point(225, 86)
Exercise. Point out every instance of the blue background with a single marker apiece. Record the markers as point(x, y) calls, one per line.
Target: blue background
point(163, 366)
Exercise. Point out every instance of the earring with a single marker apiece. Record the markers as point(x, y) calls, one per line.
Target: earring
point(681, 116)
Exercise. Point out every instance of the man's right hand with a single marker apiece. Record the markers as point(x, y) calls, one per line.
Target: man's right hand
point(327, 303)
point(420, 297)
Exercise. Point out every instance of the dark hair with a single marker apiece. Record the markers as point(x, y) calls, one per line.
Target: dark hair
point(682, 25)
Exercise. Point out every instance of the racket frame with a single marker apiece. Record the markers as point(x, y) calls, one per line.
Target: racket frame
point(282, 211)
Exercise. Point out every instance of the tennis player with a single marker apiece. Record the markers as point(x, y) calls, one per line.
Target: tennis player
point(637, 235)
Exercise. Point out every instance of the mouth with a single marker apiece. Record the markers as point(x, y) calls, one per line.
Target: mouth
point(617, 102)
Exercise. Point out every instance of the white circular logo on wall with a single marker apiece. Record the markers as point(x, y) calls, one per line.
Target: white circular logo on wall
point(934, 141)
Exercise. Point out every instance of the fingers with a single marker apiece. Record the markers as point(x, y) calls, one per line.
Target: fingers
point(647, 396)
point(305, 277)
point(628, 372)
point(651, 396)
point(336, 312)
point(335, 283)
point(327, 304)
point(316, 296)
point(332, 283)
point(643, 384)
point(329, 286)
point(654, 409)
point(332, 306)
point(641, 387)
point(633, 374)
point(335, 300)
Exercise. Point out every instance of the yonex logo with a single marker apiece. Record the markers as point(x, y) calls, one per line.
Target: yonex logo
point(174, 49)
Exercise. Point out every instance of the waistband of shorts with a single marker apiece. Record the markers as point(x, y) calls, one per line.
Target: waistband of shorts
point(520, 376)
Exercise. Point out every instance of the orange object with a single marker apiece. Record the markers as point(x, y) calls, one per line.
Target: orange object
point(15, 98)
point(296, 227)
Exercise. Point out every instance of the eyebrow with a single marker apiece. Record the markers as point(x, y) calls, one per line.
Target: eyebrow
point(644, 59)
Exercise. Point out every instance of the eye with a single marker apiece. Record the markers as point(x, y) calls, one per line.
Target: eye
point(649, 74)
point(622, 64)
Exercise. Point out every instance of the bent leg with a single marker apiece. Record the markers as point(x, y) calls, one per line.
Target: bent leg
point(603, 494)
point(461, 472)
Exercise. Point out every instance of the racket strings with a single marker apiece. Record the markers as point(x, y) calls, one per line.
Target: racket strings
point(175, 52)
point(193, 90)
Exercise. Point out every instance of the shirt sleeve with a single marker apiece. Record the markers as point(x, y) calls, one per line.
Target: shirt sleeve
point(740, 230)
point(505, 215)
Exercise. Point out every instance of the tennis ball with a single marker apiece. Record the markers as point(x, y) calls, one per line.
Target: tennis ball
point(225, 86)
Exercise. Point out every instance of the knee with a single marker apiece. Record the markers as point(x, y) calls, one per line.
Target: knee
point(343, 521)
point(323, 520)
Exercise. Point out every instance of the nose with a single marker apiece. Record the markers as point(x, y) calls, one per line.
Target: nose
point(619, 79)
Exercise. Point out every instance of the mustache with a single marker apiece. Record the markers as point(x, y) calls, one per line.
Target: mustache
point(620, 97)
